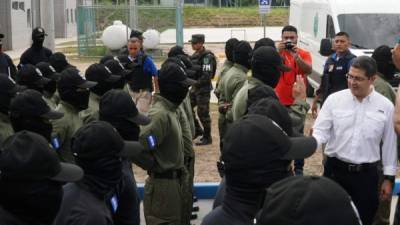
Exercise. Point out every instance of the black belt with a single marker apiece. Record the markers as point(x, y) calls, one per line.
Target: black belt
point(170, 174)
point(351, 167)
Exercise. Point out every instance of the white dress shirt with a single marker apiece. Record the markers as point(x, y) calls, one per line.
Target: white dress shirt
point(353, 130)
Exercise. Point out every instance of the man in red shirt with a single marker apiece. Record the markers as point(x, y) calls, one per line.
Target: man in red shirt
point(299, 60)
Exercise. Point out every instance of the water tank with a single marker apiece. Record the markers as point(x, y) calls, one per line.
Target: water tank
point(116, 36)
point(151, 39)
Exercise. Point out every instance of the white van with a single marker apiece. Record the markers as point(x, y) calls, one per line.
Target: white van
point(370, 23)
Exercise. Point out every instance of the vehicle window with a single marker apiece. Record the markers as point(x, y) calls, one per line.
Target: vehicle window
point(368, 31)
point(330, 27)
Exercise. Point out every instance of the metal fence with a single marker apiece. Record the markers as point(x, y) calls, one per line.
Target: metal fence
point(92, 20)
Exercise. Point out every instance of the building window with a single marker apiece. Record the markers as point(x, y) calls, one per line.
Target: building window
point(22, 6)
point(15, 5)
point(66, 12)
point(28, 18)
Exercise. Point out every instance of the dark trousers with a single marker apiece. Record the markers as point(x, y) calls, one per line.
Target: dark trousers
point(362, 186)
point(201, 100)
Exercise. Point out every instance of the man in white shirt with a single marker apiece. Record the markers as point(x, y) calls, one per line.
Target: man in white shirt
point(356, 124)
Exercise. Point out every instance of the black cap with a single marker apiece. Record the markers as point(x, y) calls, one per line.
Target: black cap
point(264, 42)
point(265, 142)
point(28, 156)
point(8, 85)
point(268, 56)
point(100, 73)
point(382, 54)
point(31, 75)
point(31, 103)
point(175, 51)
point(48, 71)
point(116, 67)
point(59, 61)
point(38, 32)
point(171, 72)
point(71, 77)
point(136, 34)
point(197, 38)
point(301, 200)
point(118, 103)
point(100, 139)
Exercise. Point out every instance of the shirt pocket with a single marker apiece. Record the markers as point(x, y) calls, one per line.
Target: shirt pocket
point(343, 122)
point(374, 125)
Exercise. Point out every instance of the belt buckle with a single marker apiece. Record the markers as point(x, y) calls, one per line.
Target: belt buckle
point(354, 168)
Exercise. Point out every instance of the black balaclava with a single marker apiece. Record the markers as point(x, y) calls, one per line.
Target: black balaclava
point(174, 92)
point(384, 62)
point(128, 130)
point(50, 88)
point(101, 174)
point(269, 75)
point(5, 100)
point(37, 39)
point(78, 99)
point(101, 88)
point(175, 51)
point(229, 46)
point(242, 54)
point(264, 42)
point(35, 124)
point(34, 202)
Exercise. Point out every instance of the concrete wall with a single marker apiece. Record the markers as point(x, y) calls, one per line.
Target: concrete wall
point(70, 11)
point(21, 23)
point(5, 23)
point(59, 18)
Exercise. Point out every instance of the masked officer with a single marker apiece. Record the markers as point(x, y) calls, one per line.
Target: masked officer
point(228, 63)
point(74, 95)
point(6, 64)
point(105, 81)
point(31, 77)
point(200, 92)
point(163, 138)
point(266, 160)
point(50, 89)
point(8, 90)
point(36, 53)
point(118, 109)
point(31, 180)
point(233, 80)
point(386, 71)
point(29, 111)
point(97, 148)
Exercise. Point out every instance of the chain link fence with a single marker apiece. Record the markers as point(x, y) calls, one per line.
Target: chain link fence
point(92, 20)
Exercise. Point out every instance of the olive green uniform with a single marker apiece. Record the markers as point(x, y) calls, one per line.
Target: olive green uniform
point(163, 199)
point(92, 112)
point(53, 101)
point(189, 157)
point(64, 129)
point(6, 129)
point(382, 216)
point(221, 118)
point(297, 111)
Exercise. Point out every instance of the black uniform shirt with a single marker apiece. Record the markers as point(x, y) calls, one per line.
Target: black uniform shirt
point(34, 56)
point(81, 207)
point(6, 65)
point(7, 218)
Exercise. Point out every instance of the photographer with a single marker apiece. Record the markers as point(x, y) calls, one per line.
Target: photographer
point(299, 61)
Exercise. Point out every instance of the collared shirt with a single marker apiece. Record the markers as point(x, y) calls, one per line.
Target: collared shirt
point(354, 130)
point(148, 65)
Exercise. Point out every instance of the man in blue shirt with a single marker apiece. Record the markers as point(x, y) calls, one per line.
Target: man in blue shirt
point(143, 79)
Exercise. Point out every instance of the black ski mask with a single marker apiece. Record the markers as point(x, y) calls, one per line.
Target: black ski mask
point(269, 75)
point(38, 35)
point(101, 88)
point(35, 124)
point(128, 130)
point(174, 92)
point(35, 203)
point(5, 100)
point(102, 174)
point(49, 89)
point(229, 46)
point(78, 99)
point(242, 54)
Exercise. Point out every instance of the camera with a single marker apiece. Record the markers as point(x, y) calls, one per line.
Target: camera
point(289, 45)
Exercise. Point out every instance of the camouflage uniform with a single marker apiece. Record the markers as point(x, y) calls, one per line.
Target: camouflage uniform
point(200, 92)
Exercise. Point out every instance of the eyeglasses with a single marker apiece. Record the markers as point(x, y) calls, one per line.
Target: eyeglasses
point(355, 78)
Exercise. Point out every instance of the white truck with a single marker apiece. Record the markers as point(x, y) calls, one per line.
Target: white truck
point(370, 23)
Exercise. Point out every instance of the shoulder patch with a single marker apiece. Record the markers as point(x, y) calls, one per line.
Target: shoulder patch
point(151, 141)
point(55, 142)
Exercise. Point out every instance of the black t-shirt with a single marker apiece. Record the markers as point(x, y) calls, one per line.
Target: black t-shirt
point(7, 218)
point(219, 217)
point(34, 56)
